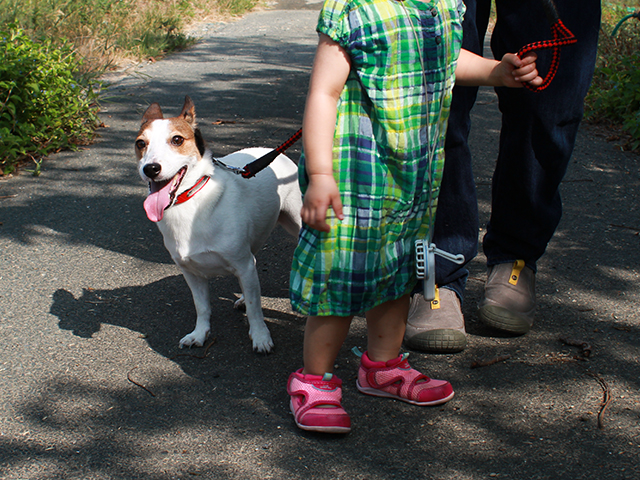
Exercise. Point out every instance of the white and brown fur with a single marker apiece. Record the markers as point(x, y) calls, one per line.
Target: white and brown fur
point(219, 229)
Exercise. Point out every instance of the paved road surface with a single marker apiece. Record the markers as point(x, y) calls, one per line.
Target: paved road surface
point(90, 303)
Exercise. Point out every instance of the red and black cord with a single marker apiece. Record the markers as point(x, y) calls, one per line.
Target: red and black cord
point(562, 36)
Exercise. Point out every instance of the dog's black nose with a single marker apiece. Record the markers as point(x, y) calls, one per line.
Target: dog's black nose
point(152, 170)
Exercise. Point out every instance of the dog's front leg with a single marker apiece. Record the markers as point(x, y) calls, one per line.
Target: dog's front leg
point(200, 291)
point(250, 285)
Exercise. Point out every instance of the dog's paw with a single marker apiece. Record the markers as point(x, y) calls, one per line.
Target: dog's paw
point(262, 342)
point(194, 339)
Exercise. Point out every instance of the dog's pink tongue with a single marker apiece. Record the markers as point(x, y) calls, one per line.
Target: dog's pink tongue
point(157, 201)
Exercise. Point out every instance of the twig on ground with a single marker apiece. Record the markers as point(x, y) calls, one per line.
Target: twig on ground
point(490, 361)
point(234, 122)
point(204, 354)
point(481, 280)
point(606, 397)
point(622, 328)
point(586, 351)
point(584, 346)
point(624, 226)
point(138, 384)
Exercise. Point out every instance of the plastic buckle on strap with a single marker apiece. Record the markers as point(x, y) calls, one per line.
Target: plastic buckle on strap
point(230, 168)
point(426, 266)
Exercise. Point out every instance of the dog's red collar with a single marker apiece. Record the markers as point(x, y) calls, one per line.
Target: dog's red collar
point(186, 195)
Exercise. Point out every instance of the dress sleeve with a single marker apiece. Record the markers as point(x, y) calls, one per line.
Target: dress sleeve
point(334, 20)
point(462, 8)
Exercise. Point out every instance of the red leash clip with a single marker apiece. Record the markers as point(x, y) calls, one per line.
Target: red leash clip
point(562, 36)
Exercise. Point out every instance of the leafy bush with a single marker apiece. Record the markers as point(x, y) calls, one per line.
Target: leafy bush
point(52, 49)
point(614, 97)
point(44, 106)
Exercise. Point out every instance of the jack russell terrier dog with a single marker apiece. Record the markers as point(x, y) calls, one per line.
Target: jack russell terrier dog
point(213, 220)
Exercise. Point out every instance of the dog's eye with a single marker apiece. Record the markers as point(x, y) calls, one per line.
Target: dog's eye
point(140, 144)
point(177, 140)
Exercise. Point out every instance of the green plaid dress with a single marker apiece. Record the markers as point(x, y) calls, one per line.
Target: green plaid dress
point(386, 160)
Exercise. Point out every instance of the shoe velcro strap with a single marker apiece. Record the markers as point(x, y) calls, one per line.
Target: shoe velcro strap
point(518, 265)
point(315, 394)
point(406, 383)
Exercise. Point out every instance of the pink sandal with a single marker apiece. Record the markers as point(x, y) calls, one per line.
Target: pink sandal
point(396, 379)
point(315, 403)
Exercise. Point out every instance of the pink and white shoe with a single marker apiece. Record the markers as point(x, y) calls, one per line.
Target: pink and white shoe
point(316, 403)
point(396, 379)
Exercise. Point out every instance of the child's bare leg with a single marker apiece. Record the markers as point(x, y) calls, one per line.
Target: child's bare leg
point(323, 338)
point(386, 324)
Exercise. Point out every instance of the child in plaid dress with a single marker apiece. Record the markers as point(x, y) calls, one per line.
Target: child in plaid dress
point(373, 138)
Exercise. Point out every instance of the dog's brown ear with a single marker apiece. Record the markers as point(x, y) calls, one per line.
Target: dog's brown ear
point(189, 111)
point(152, 113)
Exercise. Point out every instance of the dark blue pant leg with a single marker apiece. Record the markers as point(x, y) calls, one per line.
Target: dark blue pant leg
point(538, 129)
point(456, 225)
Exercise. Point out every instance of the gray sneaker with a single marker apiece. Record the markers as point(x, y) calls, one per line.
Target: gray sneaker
point(436, 326)
point(509, 298)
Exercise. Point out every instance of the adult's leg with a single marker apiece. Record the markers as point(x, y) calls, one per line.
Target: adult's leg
point(438, 326)
point(456, 224)
point(538, 129)
point(536, 142)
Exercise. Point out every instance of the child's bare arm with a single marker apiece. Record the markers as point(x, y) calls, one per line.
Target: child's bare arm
point(512, 71)
point(330, 71)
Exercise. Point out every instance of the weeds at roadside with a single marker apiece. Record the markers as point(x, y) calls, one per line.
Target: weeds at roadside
point(614, 97)
point(53, 52)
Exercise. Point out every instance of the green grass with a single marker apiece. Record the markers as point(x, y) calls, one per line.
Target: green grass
point(614, 97)
point(52, 53)
point(103, 31)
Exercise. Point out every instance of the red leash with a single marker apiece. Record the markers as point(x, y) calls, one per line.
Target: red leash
point(562, 36)
point(263, 162)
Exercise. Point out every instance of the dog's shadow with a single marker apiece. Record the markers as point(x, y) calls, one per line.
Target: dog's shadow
point(162, 312)
point(156, 310)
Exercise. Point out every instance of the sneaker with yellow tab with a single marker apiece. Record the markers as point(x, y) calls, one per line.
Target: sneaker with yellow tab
point(509, 298)
point(436, 326)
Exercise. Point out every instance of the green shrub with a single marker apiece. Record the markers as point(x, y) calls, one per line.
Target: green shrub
point(52, 49)
point(614, 97)
point(44, 105)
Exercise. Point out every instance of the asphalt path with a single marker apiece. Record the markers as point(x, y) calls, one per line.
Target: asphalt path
point(93, 385)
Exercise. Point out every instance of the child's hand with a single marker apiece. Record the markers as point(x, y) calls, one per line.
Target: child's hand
point(516, 70)
point(321, 194)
